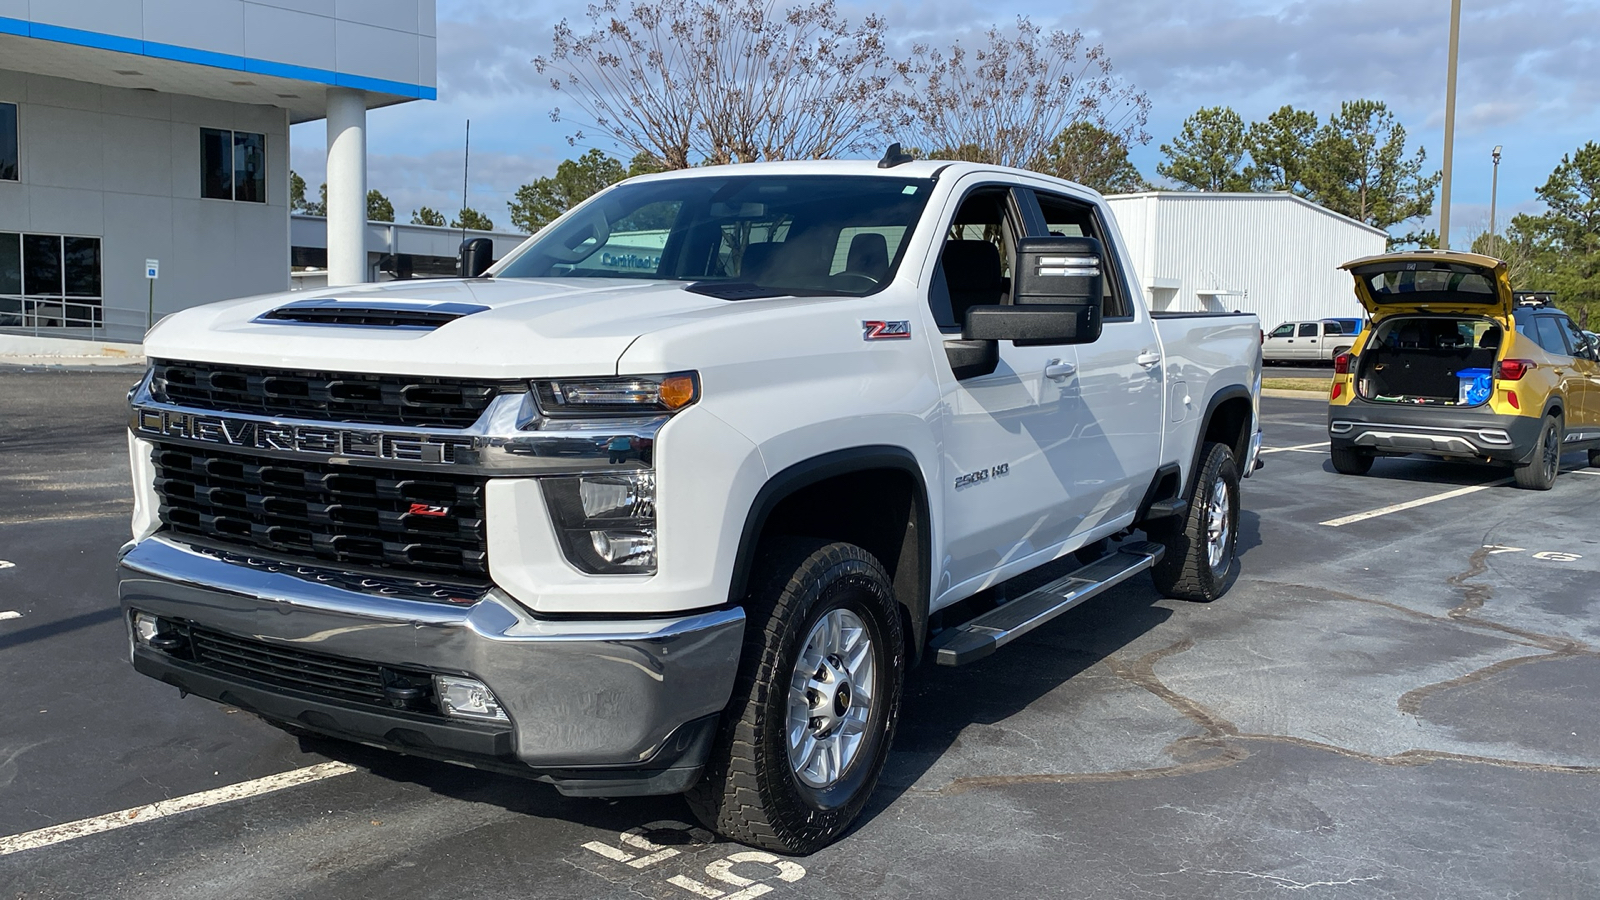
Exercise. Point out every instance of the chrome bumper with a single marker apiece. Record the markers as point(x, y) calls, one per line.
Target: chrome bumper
point(595, 697)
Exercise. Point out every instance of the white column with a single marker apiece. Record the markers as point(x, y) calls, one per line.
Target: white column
point(347, 186)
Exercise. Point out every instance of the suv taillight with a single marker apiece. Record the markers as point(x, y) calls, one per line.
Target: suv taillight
point(1341, 364)
point(1514, 369)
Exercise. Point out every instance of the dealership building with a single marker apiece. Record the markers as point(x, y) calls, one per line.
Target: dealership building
point(158, 130)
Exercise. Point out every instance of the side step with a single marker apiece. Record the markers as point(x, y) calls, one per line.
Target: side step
point(972, 641)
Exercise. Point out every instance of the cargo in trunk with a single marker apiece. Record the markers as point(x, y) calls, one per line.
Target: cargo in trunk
point(1440, 360)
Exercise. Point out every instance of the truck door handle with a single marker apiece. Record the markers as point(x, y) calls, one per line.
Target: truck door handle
point(1056, 370)
point(1147, 359)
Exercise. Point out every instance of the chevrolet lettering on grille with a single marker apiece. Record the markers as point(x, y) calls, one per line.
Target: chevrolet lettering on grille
point(232, 432)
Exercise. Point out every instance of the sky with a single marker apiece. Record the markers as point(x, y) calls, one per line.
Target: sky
point(1529, 79)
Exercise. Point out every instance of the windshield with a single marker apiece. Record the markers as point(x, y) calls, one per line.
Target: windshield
point(801, 235)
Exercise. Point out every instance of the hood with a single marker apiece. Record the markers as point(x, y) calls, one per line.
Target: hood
point(1432, 281)
point(486, 328)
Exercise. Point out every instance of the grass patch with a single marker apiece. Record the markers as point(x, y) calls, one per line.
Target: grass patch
point(1298, 384)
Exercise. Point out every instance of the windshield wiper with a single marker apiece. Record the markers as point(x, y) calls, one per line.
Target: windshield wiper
point(737, 290)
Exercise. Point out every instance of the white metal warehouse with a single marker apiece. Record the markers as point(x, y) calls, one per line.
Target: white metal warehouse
point(1276, 255)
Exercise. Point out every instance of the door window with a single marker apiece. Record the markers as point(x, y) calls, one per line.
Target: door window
point(1548, 335)
point(1066, 217)
point(1581, 346)
point(1308, 329)
point(970, 273)
point(1282, 331)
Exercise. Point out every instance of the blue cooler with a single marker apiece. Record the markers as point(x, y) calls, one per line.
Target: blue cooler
point(1476, 386)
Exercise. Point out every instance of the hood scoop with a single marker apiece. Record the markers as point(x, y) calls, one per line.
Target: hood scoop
point(413, 315)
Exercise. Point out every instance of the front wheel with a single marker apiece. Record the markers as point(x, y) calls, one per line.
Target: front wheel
point(1540, 473)
point(1201, 559)
point(814, 706)
point(1350, 462)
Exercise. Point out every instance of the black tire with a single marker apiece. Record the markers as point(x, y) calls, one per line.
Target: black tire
point(1350, 462)
point(750, 792)
point(1186, 572)
point(1540, 473)
point(1594, 459)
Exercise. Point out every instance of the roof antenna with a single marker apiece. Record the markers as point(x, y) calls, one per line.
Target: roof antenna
point(894, 156)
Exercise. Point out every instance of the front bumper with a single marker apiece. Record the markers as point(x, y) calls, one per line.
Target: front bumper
point(595, 707)
point(1467, 434)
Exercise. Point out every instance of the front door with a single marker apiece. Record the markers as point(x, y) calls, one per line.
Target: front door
point(1005, 495)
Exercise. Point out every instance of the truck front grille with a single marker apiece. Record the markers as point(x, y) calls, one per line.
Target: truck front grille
point(394, 519)
point(330, 676)
point(327, 396)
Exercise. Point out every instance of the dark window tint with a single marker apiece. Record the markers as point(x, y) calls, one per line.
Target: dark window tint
point(1548, 334)
point(10, 263)
point(41, 265)
point(82, 266)
point(1308, 329)
point(216, 164)
point(1576, 339)
point(8, 142)
point(249, 167)
point(1283, 331)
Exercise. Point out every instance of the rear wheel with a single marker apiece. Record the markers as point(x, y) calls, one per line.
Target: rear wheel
point(1201, 562)
point(815, 703)
point(1350, 462)
point(1594, 459)
point(1540, 473)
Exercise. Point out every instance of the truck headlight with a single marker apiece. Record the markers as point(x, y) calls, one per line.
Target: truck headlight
point(606, 523)
point(624, 395)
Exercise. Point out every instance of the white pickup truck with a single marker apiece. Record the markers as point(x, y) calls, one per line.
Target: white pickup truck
point(671, 497)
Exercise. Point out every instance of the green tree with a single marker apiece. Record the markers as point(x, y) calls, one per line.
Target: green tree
point(297, 193)
point(645, 163)
point(471, 219)
point(1561, 247)
point(1093, 157)
point(539, 202)
point(320, 208)
point(1358, 166)
point(1279, 148)
point(427, 216)
point(1208, 152)
point(379, 209)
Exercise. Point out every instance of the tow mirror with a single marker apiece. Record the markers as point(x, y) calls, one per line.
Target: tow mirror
point(1056, 298)
point(477, 255)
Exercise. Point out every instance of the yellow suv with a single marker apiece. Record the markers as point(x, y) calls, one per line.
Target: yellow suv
point(1453, 367)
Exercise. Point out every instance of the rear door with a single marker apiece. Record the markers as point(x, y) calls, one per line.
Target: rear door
point(1306, 340)
point(1432, 282)
point(1547, 331)
point(1586, 368)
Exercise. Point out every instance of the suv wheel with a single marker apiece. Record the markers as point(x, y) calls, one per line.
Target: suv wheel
point(1350, 462)
point(1540, 473)
point(1594, 459)
point(814, 706)
point(1201, 562)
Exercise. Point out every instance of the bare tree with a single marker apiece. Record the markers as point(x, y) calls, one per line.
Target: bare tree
point(689, 81)
point(1006, 101)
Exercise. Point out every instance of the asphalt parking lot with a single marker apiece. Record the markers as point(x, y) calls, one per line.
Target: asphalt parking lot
point(1399, 698)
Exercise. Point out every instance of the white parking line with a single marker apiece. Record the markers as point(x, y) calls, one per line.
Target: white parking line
point(9, 614)
point(1412, 504)
point(1304, 448)
point(56, 834)
point(1584, 471)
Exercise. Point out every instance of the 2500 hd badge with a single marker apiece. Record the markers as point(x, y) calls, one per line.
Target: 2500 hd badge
point(982, 475)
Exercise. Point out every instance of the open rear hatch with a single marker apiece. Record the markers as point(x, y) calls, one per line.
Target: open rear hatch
point(1440, 322)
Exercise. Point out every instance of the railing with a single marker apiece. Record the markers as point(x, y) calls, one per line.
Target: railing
point(51, 316)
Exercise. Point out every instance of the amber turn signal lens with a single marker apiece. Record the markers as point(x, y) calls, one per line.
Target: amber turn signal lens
point(677, 391)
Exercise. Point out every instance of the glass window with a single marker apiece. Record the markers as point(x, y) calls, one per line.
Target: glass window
point(8, 142)
point(1308, 329)
point(1281, 331)
point(1576, 339)
point(1548, 335)
point(41, 265)
point(249, 167)
point(81, 266)
point(216, 164)
point(710, 228)
point(233, 165)
point(10, 263)
point(1065, 217)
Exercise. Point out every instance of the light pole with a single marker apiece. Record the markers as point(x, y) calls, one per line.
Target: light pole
point(1494, 190)
point(1449, 124)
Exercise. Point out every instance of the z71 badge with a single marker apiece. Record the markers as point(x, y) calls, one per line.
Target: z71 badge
point(885, 331)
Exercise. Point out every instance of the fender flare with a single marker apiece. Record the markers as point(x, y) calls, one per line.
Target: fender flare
point(914, 597)
point(1223, 395)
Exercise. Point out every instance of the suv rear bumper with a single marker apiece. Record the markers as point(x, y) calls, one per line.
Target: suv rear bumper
point(604, 708)
point(1396, 429)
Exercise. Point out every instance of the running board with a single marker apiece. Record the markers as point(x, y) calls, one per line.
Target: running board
point(973, 640)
